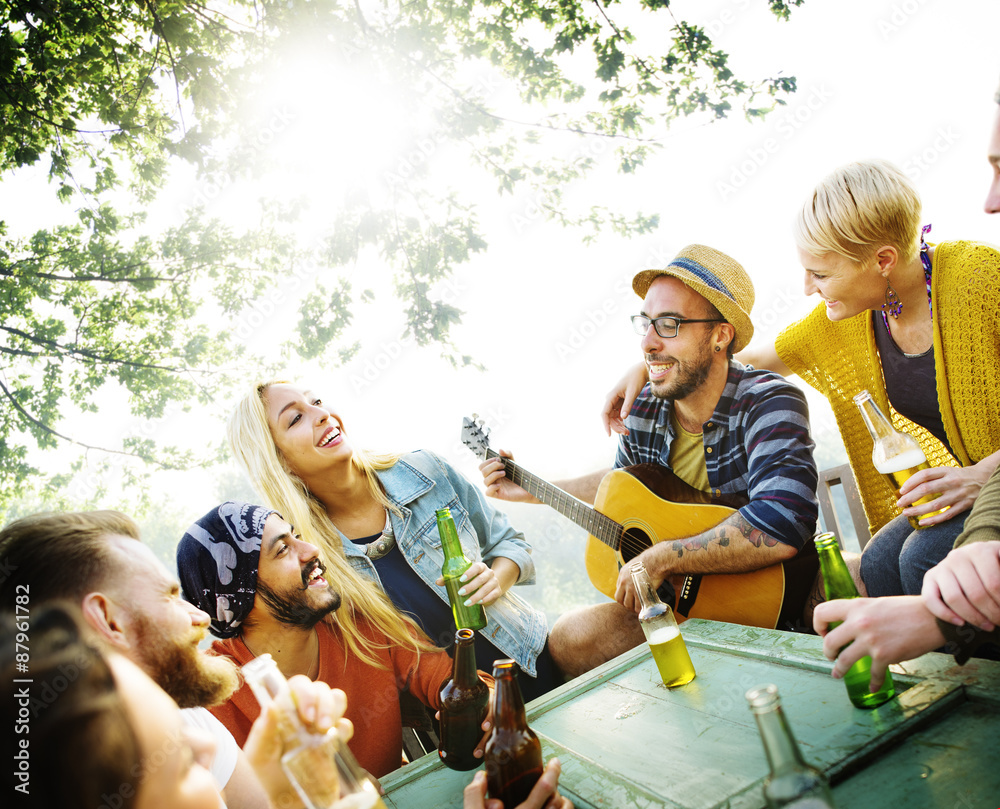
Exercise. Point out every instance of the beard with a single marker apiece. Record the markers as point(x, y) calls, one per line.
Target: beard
point(690, 374)
point(195, 679)
point(290, 607)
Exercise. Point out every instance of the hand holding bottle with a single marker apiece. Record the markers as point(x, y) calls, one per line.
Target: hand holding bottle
point(888, 630)
point(544, 794)
point(480, 584)
point(899, 457)
point(487, 724)
point(320, 766)
point(625, 589)
point(468, 615)
point(954, 490)
point(860, 675)
point(319, 707)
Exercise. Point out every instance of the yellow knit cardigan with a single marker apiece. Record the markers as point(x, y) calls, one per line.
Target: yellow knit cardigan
point(840, 360)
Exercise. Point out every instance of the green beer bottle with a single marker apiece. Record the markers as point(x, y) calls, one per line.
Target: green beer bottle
point(455, 564)
point(837, 583)
point(792, 784)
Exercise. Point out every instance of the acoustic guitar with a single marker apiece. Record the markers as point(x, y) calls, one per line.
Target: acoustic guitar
point(645, 504)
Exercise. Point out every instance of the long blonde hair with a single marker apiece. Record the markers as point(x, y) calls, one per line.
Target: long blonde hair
point(253, 446)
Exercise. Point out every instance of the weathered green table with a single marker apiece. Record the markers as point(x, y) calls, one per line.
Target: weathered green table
point(625, 740)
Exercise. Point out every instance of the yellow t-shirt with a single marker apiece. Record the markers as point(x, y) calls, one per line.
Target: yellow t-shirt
point(687, 456)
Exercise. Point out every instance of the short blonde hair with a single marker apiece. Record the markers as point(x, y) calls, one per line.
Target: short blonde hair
point(859, 208)
point(253, 446)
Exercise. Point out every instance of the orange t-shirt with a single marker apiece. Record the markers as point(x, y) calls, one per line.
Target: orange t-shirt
point(372, 692)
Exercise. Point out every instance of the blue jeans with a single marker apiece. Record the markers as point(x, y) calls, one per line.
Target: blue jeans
point(894, 561)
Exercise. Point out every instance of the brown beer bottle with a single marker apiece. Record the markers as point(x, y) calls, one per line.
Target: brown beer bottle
point(513, 752)
point(465, 702)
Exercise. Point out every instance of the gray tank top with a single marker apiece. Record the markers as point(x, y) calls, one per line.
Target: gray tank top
point(910, 383)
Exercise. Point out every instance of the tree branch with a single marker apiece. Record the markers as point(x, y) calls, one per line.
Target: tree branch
point(92, 355)
point(43, 426)
point(80, 278)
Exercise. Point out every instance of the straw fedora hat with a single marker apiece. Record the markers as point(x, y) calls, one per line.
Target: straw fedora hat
point(716, 277)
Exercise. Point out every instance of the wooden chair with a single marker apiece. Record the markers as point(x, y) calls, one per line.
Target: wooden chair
point(419, 729)
point(842, 475)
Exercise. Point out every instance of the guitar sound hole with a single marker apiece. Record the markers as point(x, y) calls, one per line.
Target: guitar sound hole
point(633, 543)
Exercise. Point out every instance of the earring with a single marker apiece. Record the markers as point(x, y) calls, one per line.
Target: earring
point(893, 305)
point(718, 349)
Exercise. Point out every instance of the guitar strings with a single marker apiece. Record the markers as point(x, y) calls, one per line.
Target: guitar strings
point(608, 531)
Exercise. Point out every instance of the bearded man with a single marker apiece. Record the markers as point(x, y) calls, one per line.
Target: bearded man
point(267, 591)
point(131, 604)
point(724, 429)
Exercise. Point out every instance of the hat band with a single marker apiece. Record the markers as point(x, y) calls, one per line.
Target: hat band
point(704, 275)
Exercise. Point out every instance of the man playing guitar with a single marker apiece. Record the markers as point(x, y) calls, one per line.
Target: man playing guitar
point(721, 427)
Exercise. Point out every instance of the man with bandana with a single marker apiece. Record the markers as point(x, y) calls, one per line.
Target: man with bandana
point(131, 604)
point(267, 592)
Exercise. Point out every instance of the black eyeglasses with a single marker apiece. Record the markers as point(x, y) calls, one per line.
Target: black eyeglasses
point(665, 326)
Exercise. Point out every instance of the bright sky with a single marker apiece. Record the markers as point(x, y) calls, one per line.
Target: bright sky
point(911, 81)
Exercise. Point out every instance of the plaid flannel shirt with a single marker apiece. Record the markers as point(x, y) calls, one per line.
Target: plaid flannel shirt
point(757, 444)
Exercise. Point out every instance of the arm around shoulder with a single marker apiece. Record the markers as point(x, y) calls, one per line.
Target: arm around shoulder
point(764, 357)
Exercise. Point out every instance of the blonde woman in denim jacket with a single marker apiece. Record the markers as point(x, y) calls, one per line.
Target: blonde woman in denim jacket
point(374, 515)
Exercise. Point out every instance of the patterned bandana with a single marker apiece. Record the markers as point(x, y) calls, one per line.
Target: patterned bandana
point(217, 563)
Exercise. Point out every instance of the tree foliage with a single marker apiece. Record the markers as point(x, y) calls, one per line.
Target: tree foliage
point(108, 98)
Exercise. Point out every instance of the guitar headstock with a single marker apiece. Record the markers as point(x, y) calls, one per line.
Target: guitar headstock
point(475, 435)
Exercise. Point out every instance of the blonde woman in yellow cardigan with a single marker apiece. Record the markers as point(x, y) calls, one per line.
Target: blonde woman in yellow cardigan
point(918, 326)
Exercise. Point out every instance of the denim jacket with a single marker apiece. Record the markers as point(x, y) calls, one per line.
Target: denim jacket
point(419, 484)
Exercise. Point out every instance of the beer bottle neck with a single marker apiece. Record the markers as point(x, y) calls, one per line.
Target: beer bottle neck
point(888, 441)
point(464, 673)
point(508, 711)
point(837, 581)
point(450, 543)
point(875, 420)
point(779, 744)
point(644, 589)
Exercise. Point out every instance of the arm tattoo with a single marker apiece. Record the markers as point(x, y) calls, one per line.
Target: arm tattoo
point(754, 536)
point(721, 536)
